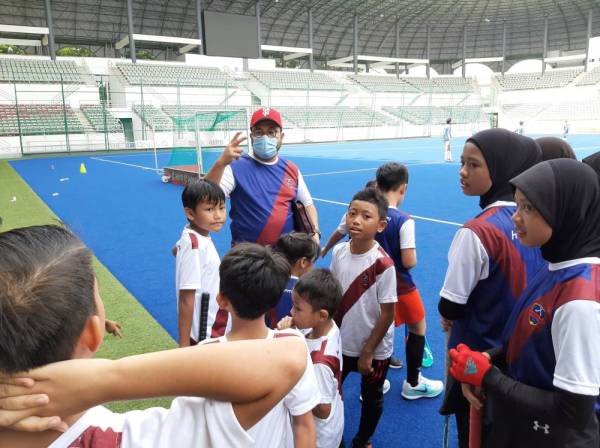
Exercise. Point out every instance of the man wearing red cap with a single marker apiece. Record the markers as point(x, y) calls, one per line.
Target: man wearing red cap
point(261, 185)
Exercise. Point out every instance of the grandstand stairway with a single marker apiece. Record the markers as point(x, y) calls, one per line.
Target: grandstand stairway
point(85, 123)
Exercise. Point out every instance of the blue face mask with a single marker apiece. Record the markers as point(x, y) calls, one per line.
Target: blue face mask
point(264, 147)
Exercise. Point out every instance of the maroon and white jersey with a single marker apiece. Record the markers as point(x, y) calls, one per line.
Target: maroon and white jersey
point(190, 422)
point(275, 429)
point(197, 267)
point(326, 355)
point(368, 280)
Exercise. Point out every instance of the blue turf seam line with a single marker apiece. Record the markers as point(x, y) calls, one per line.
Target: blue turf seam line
point(423, 218)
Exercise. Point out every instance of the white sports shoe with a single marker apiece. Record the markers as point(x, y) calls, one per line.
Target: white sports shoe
point(425, 389)
point(386, 388)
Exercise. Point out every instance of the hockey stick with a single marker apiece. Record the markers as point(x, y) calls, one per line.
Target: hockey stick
point(474, 427)
point(203, 315)
point(446, 437)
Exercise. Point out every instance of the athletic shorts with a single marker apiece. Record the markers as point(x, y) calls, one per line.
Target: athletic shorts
point(409, 308)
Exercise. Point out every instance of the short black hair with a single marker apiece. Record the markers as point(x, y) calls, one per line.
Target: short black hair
point(374, 196)
point(200, 190)
point(391, 175)
point(321, 290)
point(295, 245)
point(46, 295)
point(449, 120)
point(371, 184)
point(253, 277)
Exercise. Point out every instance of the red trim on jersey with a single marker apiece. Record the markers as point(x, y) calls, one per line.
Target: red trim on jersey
point(578, 288)
point(281, 206)
point(220, 324)
point(501, 251)
point(95, 437)
point(330, 361)
point(194, 240)
point(361, 284)
point(283, 335)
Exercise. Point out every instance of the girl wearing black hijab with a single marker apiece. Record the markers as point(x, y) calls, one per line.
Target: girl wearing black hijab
point(555, 148)
point(488, 268)
point(543, 381)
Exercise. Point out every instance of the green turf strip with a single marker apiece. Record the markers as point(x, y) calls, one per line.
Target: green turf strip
point(141, 333)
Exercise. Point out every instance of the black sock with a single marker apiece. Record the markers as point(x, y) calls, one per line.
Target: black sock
point(414, 357)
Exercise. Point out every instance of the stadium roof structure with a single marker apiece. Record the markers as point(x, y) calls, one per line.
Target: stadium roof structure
point(101, 23)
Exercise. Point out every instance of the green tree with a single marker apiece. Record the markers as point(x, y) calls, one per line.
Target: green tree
point(11, 49)
point(77, 52)
point(144, 54)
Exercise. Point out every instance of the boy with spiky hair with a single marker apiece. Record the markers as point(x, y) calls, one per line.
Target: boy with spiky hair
point(398, 240)
point(366, 315)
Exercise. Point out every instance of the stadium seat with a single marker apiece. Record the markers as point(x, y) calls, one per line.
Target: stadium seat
point(296, 80)
point(173, 75)
point(528, 81)
point(589, 78)
point(153, 116)
point(38, 119)
point(96, 116)
point(39, 71)
point(334, 116)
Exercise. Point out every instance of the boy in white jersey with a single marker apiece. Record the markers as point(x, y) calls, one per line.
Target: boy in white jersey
point(52, 311)
point(366, 314)
point(316, 298)
point(252, 278)
point(197, 261)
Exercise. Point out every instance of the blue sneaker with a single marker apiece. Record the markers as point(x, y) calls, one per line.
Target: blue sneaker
point(427, 356)
point(425, 389)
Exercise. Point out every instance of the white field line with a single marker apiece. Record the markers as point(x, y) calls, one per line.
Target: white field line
point(147, 168)
point(373, 169)
point(423, 218)
point(339, 172)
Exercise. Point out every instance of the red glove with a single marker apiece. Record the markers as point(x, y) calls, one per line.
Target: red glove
point(468, 366)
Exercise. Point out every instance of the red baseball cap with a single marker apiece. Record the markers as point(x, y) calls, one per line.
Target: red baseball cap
point(266, 113)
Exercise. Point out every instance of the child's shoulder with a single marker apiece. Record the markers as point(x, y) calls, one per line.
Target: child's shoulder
point(286, 332)
point(491, 217)
point(395, 215)
point(341, 249)
point(193, 240)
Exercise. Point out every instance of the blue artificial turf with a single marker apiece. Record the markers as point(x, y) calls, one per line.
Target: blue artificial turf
point(131, 220)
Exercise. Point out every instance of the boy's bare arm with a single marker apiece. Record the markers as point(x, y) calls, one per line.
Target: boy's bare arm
point(379, 330)
point(254, 375)
point(409, 258)
point(187, 298)
point(312, 213)
point(333, 240)
point(303, 426)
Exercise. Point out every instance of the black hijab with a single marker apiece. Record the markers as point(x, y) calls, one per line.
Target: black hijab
point(555, 148)
point(507, 155)
point(594, 162)
point(566, 193)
